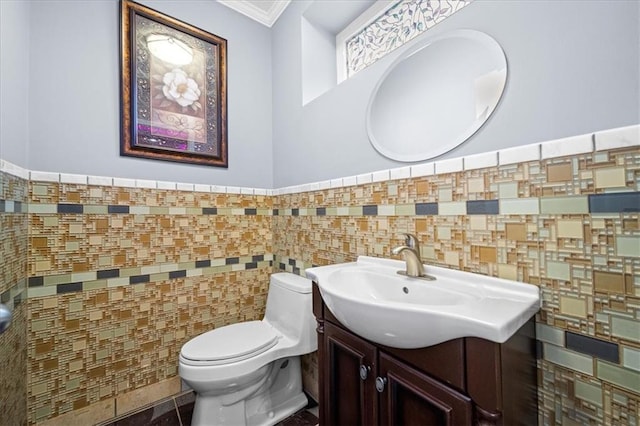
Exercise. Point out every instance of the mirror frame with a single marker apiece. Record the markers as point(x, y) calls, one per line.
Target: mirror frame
point(431, 152)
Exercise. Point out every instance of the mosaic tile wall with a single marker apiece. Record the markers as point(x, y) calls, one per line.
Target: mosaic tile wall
point(13, 235)
point(113, 340)
point(401, 23)
point(13, 270)
point(120, 278)
point(570, 225)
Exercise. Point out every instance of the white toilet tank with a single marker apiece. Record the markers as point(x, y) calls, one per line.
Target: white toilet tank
point(290, 309)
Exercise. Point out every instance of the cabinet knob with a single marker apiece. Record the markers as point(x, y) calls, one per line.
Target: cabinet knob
point(364, 372)
point(381, 382)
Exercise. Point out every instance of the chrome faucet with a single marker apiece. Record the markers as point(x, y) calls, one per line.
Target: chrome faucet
point(411, 253)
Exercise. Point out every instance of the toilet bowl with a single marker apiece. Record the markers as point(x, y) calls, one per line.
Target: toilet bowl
point(249, 373)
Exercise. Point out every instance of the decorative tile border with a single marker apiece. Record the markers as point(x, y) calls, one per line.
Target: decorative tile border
point(50, 285)
point(65, 208)
point(14, 295)
point(621, 137)
point(12, 206)
point(623, 202)
point(614, 202)
point(595, 347)
point(560, 341)
point(295, 266)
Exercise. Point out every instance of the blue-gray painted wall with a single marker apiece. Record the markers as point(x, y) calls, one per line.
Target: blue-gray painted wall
point(14, 81)
point(574, 68)
point(74, 101)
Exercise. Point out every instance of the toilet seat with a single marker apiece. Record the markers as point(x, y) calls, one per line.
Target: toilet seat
point(228, 344)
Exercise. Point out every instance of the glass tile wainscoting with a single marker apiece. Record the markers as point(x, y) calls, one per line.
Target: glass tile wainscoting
point(108, 277)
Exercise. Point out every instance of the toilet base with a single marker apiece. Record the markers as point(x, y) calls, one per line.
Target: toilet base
point(278, 397)
point(279, 413)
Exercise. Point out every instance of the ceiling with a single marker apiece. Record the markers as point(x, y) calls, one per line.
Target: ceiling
point(264, 11)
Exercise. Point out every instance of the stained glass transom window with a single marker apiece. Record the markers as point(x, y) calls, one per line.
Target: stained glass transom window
point(400, 23)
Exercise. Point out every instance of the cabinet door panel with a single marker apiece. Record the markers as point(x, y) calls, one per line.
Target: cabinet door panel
point(351, 400)
point(413, 398)
point(444, 361)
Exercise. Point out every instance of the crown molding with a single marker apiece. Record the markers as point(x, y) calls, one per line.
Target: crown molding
point(249, 9)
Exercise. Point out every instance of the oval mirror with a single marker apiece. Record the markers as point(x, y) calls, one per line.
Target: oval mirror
point(436, 95)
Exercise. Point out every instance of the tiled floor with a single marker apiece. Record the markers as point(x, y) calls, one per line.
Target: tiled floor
point(177, 411)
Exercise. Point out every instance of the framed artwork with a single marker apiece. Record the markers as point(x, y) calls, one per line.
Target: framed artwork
point(173, 89)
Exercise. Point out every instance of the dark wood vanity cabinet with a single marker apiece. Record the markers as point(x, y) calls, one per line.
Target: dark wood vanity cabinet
point(466, 381)
point(409, 397)
point(349, 367)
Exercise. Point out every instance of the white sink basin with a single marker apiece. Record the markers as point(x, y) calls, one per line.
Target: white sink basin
point(372, 300)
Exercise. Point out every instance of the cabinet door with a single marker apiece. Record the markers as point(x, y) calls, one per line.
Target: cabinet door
point(350, 399)
point(408, 397)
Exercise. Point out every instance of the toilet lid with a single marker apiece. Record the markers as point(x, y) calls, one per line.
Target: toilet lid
point(231, 343)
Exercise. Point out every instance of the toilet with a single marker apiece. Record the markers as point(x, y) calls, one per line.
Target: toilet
point(249, 373)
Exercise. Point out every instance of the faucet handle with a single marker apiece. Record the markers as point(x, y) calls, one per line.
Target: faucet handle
point(409, 239)
point(412, 241)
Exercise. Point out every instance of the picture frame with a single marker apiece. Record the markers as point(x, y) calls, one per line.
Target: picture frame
point(173, 89)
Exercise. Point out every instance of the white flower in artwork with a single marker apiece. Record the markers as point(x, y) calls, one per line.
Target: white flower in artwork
point(179, 88)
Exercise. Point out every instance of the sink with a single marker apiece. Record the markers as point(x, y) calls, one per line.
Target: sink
point(372, 300)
